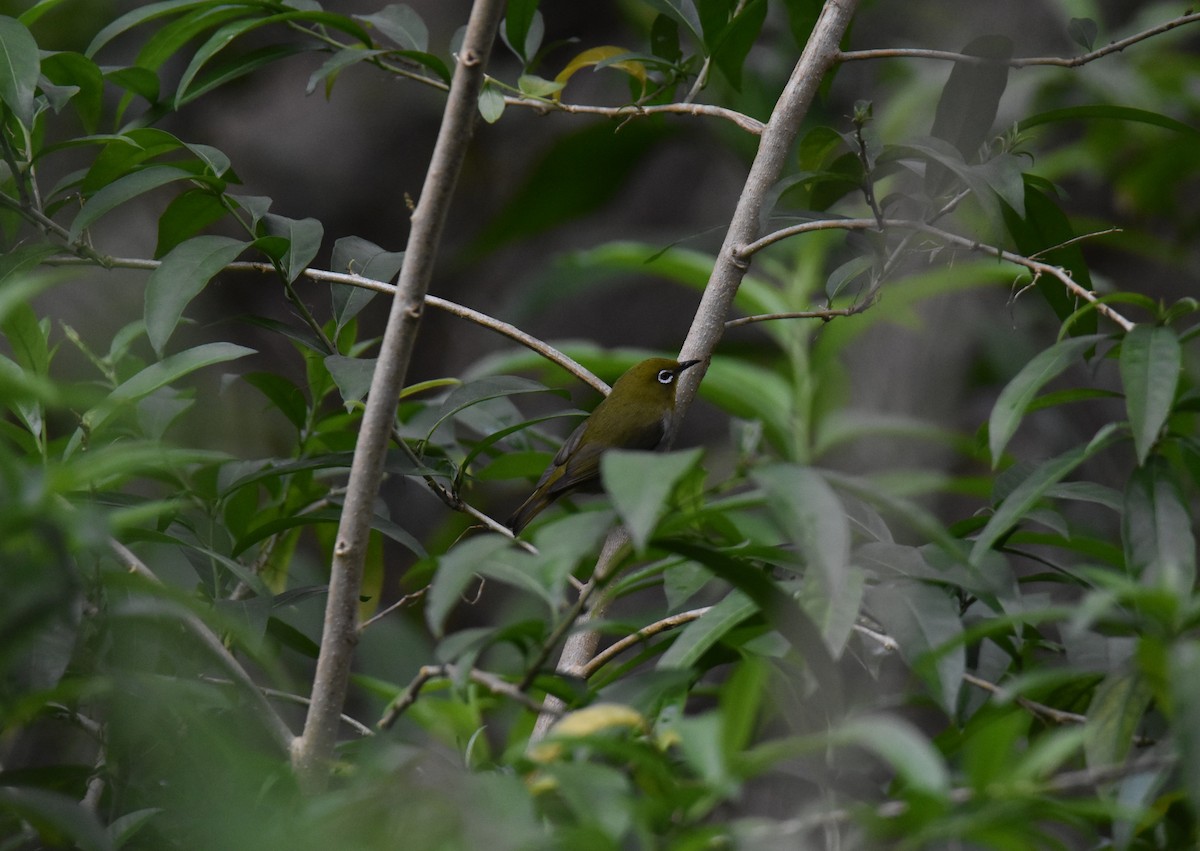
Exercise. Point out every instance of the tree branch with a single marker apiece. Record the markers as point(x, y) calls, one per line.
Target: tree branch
point(313, 749)
point(1058, 61)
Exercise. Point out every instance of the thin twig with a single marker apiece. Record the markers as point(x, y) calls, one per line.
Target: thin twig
point(649, 631)
point(482, 319)
point(1058, 61)
point(425, 673)
point(824, 315)
point(750, 125)
point(399, 604)
point(299, 699)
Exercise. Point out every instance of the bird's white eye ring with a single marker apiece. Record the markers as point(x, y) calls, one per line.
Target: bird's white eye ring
point(665, 376)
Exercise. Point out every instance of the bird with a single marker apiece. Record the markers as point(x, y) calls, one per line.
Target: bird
point(636, 414)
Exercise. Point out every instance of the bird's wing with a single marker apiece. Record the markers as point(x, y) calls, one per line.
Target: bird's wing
point(582, 462)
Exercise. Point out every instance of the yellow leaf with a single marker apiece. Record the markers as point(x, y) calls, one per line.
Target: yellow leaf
point(596, 55)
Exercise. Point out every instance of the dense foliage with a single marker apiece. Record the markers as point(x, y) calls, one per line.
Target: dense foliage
point(924, 575)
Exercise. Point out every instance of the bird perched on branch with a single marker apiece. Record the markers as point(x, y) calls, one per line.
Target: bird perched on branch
point(635, 415)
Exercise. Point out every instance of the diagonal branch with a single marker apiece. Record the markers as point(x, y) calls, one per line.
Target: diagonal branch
point(311, 752)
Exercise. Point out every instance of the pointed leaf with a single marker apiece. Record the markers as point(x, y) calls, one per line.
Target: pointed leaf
point(124, 189)
point(304, 241)
point(1014, 399)
point(400, 23)
point(923, 618)
point(19, 69)
point(352, 376)
point(1013, 509)
point(1113, 717)
point(183, 274)
point(1156, 527)
point(1151, 360)
point(900, 744)
point(640, 484)
point(695, 639)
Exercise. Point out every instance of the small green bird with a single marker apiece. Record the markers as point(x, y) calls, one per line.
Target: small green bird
point(635, 415)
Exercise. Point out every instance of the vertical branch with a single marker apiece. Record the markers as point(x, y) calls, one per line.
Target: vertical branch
point(312, 749)
point(818, 57)
point(708, 324)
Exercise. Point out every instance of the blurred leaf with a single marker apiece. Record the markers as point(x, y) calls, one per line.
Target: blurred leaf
point(535, 86)
point(1113, 716)
point(812, 517)
point(1108, 111)
point(287, 398)
point(582, 172)
point(1013, 401)
point(19, 69)
point(970, 99)
point(1151, 360)
point(1013, 509)
point(402, 24)
point(695, 639)
point(456, 570)
point(595, 56)
point(55, 815)
point(904, 747)
point(733, 45)
point(184, 272)
point(151, 378)
point(640, 484)
point(1156, 528)
point(924, 621)
point(519, 31)
point(846, 274)
point(683, 12)
point(664, 38)
point(1083, 32)
point(1184, 683)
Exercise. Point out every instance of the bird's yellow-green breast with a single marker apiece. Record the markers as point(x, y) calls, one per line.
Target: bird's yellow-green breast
point(635, 415)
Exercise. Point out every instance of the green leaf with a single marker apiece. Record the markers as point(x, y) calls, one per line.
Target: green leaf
point(538, 87)
point(475, 392)
point(733, 45)
point(1113, 717)
point(1013, 401)
point(283, 394)
point(187, 215)
point(153, 377)
point(640, 484)
point(1106, 111)
point(812, 517)
point(74, 69)
point(520, 32)
point(240, 66)
point(57, 814)
point(924, 621)
point(905, 748)
point(1083, 32)
point(683, 12)
point(970, 99)
point(138, 16)
point(782, 612)
point(455, 571)
point(335, 64)
point(1013, 509)
point(183, 274)
point(357, 256)
point(664, 38)
point(1151, 361)
point(400, 23)
point(19, 69)
point(352, 376)
point(1156, 529)
point(124, 189)
point(304, 241)
point(491, 102)
point(1045, 232)
point(695, 639)
point(1184, 682)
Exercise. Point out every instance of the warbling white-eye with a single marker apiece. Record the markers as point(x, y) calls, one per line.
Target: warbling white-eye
point(636, 414)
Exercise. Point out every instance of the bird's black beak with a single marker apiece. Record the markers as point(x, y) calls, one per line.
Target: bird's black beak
point(687, 364)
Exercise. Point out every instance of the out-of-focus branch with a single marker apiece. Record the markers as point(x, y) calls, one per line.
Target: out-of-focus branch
point(312, 750)
point(1058, 61)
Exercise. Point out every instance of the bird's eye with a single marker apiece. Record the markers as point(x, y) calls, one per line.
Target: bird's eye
point(665, 376)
